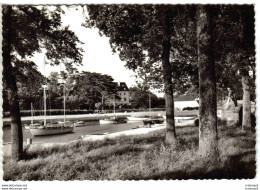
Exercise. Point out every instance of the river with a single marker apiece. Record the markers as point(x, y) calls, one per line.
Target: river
point(91, 128)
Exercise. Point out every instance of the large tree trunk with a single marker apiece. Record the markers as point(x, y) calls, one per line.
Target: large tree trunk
point(167, 76)
point(246, 122)
point(16, 127)
point(208, 143)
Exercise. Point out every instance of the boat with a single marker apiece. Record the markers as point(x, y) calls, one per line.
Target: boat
point(80, 124)
point(27, 126)
point(54, 128)
point(152, 119)
point(182, 121)
point(182, 117)
point(51, 129)
point(110, 120)
point(140, 118)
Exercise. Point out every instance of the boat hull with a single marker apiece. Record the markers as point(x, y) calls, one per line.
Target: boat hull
point(182, 118)
point(46, 131)
point(104, 121)
point(136, 118)
point(153, 121)
point(112, 121)
point(27, 127)
point(80, 124)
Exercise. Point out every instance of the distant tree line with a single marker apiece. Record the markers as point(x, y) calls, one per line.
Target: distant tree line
point(83, 90)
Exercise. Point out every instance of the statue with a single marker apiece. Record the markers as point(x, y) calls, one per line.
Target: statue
point(229, 104)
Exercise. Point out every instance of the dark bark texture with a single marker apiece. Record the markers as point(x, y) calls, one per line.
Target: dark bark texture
point(246, 121)
point(167, 75)
point(208, 142)
point(10, 81)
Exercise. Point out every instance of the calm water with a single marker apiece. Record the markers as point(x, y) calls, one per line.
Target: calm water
point(92, 128)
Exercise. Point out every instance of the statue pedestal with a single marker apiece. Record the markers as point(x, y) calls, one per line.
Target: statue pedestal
point(232, 116)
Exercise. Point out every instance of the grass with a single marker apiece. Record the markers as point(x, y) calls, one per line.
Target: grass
point(139, 158)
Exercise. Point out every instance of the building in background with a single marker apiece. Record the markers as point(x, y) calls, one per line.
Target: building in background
point(124, 94)
point(183, 102)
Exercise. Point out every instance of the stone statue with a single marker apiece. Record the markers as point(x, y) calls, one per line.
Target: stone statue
point(229, 104)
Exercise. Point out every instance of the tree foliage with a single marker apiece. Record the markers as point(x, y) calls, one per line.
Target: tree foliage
point(141, 34)
point(37, 27)
point(234, 48)
point(135, 32)
point(26, 30)
point(140, 98)
point(88, 88)
point(34, 29)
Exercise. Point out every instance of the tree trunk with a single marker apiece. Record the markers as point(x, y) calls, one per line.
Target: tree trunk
point(208, 143)
point(246, 122)
point(16, 126)
point(167, 76)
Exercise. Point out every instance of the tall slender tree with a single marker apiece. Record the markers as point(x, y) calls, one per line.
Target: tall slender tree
point(247, 53)
point(141, 34)
point(11, 87)
point(167, 76)
point(26, 30)
point(208, 139)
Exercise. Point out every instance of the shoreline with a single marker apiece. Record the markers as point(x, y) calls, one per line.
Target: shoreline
point(137, 131)
point(96, 117)
point(85, 117)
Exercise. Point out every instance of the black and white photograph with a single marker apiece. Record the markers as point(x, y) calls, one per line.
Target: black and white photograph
point(153, 91)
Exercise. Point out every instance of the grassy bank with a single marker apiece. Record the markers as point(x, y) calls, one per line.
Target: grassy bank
point(138, 157)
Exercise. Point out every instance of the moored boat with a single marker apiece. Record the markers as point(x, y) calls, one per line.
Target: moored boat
point(51, 129)
point(186, 121)
point(177, 118)
point(80, 124)
point(111, 120)
point(54, 128)
point(137, 118)
point(153, 121)
point(27, 126)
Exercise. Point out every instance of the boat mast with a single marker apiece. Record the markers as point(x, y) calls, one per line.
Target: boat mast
point(64, 103)
point(44, 101)
point(114, 105)
point(32, 113)
point(150, 105)
point(102, 104)
point(44, 94)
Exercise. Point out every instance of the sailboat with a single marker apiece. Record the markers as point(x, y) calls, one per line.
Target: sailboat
point(111, 120)
point(152, 120)
point(44, 128)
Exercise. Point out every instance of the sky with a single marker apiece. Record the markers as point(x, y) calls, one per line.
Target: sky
point(98, 55)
